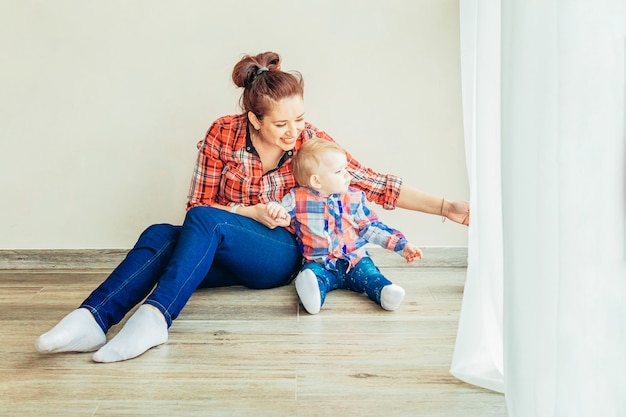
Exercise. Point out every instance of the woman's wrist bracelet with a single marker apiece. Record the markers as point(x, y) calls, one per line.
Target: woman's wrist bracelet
point(443, 218)
point(234, 207)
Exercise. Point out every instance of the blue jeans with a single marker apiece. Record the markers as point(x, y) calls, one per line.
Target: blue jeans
point(364, 277)
point(213, 248)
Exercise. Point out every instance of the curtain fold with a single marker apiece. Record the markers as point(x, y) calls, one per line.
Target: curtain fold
point(543, 317)
point(478, 353)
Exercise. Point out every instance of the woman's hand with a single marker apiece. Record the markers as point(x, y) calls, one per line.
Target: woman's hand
point(271, 215)
point(457, 211)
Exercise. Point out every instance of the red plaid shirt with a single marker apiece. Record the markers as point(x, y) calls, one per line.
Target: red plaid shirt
point(228, 170)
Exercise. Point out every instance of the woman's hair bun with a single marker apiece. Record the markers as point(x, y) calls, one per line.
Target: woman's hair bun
point(252, 66)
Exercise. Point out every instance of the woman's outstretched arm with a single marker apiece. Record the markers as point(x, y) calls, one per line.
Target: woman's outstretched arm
point(413, 199)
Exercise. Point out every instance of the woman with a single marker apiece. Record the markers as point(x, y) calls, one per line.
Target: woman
point(227, 237)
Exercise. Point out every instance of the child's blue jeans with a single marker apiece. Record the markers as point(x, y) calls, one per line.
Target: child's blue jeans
point(363, 277)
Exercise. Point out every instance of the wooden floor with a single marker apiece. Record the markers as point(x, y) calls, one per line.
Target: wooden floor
point(239, 352)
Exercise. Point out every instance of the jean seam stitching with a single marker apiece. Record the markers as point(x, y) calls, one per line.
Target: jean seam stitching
point(126, 281)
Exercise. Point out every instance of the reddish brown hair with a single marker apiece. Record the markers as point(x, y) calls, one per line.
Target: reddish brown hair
point(264, 83)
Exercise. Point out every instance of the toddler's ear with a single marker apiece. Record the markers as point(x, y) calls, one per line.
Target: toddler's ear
point(314, 182)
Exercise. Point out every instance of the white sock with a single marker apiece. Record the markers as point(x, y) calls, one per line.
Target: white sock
point(143, 330)
point(391, 296)
point(76, 332)
point(309, 291)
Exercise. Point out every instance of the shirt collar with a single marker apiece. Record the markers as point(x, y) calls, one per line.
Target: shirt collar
point(321, 196)
point(250, 148)
point(249, 145)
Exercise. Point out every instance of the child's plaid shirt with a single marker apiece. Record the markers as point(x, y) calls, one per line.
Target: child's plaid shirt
point(338, 226)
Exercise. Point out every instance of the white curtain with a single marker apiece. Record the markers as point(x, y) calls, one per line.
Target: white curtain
point(478, 355)
point(561, 327)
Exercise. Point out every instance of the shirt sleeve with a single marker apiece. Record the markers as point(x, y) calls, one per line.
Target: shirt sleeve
point(207, 171)
point(289, 203)
point(375, 231)
point(382, 189)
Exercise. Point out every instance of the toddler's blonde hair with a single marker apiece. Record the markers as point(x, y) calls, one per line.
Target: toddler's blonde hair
point(306, 160)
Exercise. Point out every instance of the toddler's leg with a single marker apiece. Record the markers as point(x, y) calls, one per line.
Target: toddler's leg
point(366, 277)
point(308, 290)
point(145, 329)
point(76, 332)
point(391, 296)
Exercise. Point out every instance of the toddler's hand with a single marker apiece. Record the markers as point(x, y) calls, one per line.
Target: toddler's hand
point(278, 213)
point(411, 253)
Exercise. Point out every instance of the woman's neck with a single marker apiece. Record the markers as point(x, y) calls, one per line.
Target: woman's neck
point(270, 154)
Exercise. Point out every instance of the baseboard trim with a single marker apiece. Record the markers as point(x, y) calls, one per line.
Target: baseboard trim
point(107, 259)
point(61, 258)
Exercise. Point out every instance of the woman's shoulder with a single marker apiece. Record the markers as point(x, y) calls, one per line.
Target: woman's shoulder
point(232, 120)
point(226, 129)
point(233, 125)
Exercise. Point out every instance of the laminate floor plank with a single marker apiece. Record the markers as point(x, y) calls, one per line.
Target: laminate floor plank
point(240, 352)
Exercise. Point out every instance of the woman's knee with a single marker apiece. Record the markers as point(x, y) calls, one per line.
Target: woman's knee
point(202, 214)
point(158, 234)
point(201, 217)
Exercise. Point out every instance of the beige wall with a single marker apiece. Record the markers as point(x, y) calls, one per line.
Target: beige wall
point(102, 103)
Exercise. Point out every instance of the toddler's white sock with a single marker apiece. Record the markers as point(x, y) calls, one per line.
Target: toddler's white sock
point(76, 332)
point(309, 291)
point(143, 330)
point(391, 296)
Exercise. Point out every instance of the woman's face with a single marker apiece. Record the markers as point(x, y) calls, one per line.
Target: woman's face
point(282, 125)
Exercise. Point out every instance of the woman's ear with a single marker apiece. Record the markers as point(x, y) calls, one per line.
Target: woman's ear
point(256, 123)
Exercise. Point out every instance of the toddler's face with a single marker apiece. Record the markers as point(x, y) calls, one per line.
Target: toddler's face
point(333, 173)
